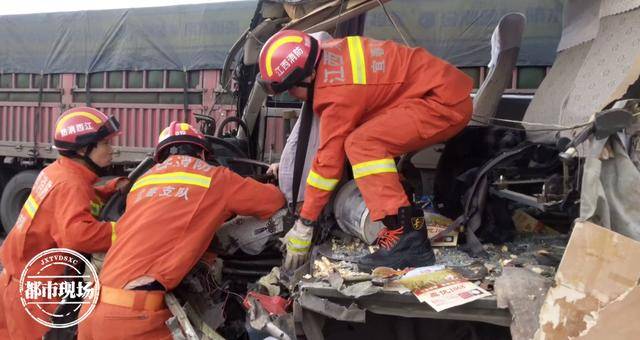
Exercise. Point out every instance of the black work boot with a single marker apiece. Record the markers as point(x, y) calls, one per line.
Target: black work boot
point(403, 243)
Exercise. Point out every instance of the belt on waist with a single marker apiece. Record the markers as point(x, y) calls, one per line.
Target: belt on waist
point(134, 299)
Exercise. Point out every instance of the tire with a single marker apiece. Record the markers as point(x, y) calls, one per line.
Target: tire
point(5, 176)
point(13, 196)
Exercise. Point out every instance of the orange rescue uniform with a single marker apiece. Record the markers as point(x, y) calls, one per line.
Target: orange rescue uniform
point(61, 212)
point(378, 100)
point(172, 214)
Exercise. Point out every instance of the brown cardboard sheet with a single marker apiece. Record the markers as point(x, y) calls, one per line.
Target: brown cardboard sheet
point(598, 277)
point(619, 320)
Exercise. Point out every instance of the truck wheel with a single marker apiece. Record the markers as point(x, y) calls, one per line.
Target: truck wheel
point(13, 196)
point(5, 176)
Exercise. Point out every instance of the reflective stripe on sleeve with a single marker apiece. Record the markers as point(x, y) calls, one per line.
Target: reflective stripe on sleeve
point(31, 206)
point(317, 181)
point(113, 232)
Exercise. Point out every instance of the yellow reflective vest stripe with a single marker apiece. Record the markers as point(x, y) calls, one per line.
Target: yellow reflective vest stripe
point(113, 232)
point(173, 178)
point(358, 65)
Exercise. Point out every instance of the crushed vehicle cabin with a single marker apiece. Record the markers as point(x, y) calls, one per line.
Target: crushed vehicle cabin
point(500, 199)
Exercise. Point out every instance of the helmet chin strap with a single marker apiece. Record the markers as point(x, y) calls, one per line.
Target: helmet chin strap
point(309, 87)
point(98, 170)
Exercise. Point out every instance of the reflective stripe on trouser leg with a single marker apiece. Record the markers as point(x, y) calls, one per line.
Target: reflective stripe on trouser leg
point(378, 166)
point(414, 125)
point(379, 184)
point(382, 193)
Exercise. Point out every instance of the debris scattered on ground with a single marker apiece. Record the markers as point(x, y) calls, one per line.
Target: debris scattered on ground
point(268, 314)
point(323, 268)
point(360, 289)
point(386, 272)
point(350, 247)
point(526, 223)
point(456, 279)
point(475, 271)
point(436, 223)
point(539, 253)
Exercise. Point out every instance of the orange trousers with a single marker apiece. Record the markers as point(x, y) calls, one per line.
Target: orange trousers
point(410, 126)
point(15, 323)
point(110, 322)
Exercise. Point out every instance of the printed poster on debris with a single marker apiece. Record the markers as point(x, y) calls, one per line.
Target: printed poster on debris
point(441, 288)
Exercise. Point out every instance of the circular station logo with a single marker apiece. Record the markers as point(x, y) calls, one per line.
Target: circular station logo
point(55, 285)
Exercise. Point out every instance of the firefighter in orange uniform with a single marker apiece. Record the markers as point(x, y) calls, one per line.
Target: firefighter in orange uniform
point(173, 212)
point(60, 211)
point(376, 100)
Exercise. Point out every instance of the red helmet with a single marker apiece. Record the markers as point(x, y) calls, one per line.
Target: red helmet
point(180, 133)
point(81, 126)
point(286, 59)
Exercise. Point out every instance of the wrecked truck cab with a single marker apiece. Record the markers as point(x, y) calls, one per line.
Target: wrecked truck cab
point(252, 100)
point(505, 177)
point(513, 188)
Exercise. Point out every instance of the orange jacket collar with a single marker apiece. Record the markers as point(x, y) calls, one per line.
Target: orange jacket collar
point(78, 169)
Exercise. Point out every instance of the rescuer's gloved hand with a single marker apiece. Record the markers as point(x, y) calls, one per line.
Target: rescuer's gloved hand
point(298, 242)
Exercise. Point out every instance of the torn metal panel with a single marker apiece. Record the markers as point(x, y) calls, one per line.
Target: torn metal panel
point(257, 37)
point(272, 10)
point(350, 12)
point(554, 91)
point(248, 233)
point(391, 303)
point(311, 323)
point(598, 268)
point(174, 328)
point(606, 199)
point(201, 325)
point(523, 292)
point(613, 7)
point(328, 15)
point(360, 289)
point(176, 309)
point(581, 22)
point(612, 65)
point(353, 313)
